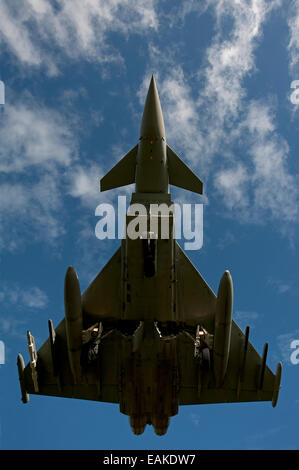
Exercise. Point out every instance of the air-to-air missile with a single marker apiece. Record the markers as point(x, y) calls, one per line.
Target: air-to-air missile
point(149, 333)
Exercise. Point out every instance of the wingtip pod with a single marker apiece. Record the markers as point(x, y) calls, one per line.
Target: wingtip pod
point(21, 367)
point(277, 381)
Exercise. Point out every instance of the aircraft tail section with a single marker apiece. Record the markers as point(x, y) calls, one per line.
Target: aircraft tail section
point(180, 174)
point(122, 173)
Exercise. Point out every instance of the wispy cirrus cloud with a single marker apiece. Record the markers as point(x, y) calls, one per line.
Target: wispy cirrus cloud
point(32, 135)
point(293, 46)
point(231, 55)
point(231, 183)
point(16, 298)
point(280, 286)
point(284, 342)
point(84, 183)
point(203, 125)
point(36, 146)
point(232, 142)
point(263, 435)
point(39, 168)
point(261, 186)
point(246, 318)
point(29, 212)
point(33, 29)
point(32, 297)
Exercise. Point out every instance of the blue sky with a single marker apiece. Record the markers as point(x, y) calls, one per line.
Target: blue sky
point(76, 74)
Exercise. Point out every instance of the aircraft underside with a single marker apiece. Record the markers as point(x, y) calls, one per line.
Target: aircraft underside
point(149, 333)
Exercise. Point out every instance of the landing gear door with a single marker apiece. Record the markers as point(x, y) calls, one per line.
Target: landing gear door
point(149, 250)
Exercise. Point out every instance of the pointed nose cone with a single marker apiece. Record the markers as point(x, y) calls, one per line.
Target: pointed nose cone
point(152, 125)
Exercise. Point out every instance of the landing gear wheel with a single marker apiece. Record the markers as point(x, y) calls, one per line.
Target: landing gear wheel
point(203, 356)
point(205, 359)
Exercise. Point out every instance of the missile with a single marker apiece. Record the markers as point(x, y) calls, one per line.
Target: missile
point(73, 322)
point(33, 360)
point(223, 323)
point(152, 165)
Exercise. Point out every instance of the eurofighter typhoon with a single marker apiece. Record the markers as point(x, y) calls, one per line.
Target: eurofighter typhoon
point(149, 333)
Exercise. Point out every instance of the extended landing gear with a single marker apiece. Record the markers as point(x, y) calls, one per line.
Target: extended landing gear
point(203, 356)
point(203, 344)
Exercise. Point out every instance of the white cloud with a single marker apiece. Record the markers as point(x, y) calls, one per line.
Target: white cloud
point(36, 144)
point(263, 183)
point(30, 212)
point(16, 35)
point(246, 318)
point(181, 115)
point(221, 133)
point(293, 46)
point(12, 326)
point(39, 165)
point(275, 188)
point(266, 434)
point(226, 239)
point(33, 28)
point(229, 59)
point(33, 297)
point(31, 135)
point(84, 183)
point(195, 419)
point(232, 183)
point(284, 344)
point(259, 118)
point(280, 286)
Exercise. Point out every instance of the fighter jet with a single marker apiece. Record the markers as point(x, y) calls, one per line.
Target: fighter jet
point(149, 333)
